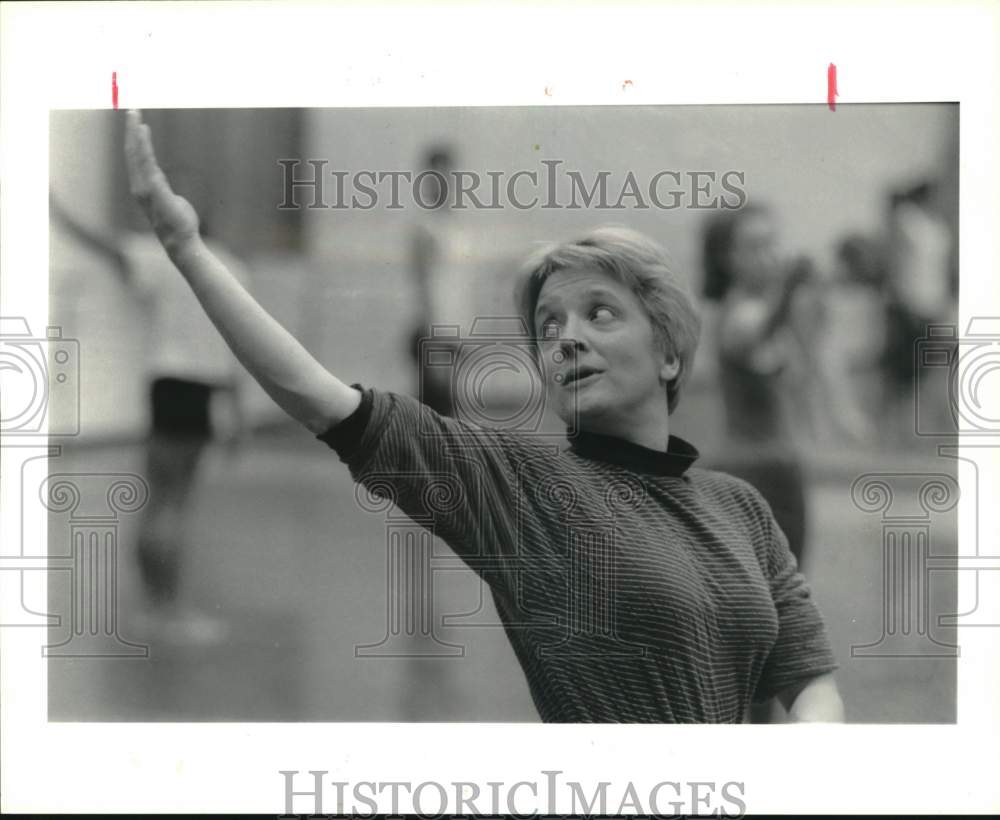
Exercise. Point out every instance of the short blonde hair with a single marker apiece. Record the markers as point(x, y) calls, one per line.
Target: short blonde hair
point(640, 264)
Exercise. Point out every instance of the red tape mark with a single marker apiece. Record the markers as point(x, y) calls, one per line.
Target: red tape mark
point(114, 89)
point(831, 87)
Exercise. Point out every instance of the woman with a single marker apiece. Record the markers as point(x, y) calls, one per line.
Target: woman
point(765, 338)
point(632, 588)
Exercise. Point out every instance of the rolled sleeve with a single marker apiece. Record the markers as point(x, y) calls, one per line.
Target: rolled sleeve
point(802, 650)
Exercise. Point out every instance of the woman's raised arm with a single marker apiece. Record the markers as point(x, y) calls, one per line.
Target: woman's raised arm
point(299, 384)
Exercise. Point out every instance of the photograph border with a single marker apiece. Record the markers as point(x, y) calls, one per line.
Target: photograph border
point(141, 55)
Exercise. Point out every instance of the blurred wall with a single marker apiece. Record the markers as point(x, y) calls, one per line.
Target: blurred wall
point(825, 172)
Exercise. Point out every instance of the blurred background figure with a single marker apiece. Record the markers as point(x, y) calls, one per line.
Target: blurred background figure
point(195, 386)
point(756, 342)
point(825, 410)
point(439, 259)
point(922, 290)
point(782, 375)
point(858, 309)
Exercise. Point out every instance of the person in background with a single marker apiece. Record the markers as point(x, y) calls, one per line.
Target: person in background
point(861, 285)
point(196, 396)
point(756, 344)
point(921, 292)
point(439, 259)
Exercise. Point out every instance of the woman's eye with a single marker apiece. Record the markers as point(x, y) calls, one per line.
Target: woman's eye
point(602, 313)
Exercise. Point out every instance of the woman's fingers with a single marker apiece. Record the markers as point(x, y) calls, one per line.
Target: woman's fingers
point(145, 176)
point(131, 149)
point(138, 159)
point(133, 124)
point(171, 216)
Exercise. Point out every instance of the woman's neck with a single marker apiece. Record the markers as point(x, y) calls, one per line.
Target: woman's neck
point(652, 434)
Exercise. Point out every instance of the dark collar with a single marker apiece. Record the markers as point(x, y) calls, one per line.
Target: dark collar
point(674, 462)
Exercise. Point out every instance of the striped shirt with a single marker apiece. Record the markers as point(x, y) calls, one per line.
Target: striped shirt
point(632, 586)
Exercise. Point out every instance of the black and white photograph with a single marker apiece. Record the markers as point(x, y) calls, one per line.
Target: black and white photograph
point(475, 417)
point(628, 381)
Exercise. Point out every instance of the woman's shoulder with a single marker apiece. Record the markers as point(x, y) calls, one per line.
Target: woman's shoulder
point(461, 430)
point(728, 491)
point(711, 477)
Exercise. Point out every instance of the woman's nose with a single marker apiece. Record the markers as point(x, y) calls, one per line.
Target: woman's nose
point(572, 337)
point(569, 345)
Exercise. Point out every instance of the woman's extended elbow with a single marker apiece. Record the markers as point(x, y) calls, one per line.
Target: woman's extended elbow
point(317, 406)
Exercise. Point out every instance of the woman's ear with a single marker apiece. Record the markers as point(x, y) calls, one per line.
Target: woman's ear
point(670, 368)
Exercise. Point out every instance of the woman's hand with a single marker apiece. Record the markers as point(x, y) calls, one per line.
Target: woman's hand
point(816, 701)
point(172, 217)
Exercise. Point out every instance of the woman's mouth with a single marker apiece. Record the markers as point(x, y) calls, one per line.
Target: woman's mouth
point(580, 377)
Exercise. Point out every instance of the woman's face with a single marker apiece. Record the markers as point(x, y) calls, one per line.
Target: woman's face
point(602, 367)
point(753, 254)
